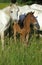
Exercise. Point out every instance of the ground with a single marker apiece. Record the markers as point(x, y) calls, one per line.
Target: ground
point(18, 53)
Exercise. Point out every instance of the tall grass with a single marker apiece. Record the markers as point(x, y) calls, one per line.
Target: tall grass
point(20, 54)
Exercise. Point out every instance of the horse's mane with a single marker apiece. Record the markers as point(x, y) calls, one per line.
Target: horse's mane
point(21, 24)
point(28, 14)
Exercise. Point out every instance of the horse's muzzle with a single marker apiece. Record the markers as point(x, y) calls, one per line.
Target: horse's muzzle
point(15, 21)
point(36, 26)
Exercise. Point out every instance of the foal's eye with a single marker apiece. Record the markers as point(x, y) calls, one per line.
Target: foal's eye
point(11, 11)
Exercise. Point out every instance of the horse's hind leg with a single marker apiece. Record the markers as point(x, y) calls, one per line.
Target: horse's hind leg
point(14, 29)
point(14, 37)
point(22, 38)
point(27, 38)
point(2, 40)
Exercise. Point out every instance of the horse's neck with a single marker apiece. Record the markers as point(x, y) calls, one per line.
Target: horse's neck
point(27, 21)
point(7, 10)
point(6, 13)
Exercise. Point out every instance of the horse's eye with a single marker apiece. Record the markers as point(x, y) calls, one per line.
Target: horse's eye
point(11, 11)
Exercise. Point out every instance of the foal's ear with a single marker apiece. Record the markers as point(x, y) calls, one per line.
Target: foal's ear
point(32, 12)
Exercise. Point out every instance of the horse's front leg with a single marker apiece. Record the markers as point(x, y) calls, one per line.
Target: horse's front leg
point(22, 38)
point(14, 34)
point(2, 39)
point(27, 38)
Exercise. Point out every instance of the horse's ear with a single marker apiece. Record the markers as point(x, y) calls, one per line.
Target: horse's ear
point(16, 3)
point(32, 12)
point(10, 4)
point(36, 17)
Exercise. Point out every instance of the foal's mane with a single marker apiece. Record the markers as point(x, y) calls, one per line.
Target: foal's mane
point(31, 13)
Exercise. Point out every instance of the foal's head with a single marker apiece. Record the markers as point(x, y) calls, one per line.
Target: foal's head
point(32, 20)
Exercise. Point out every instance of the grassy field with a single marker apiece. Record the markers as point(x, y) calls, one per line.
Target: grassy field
point(19, 54)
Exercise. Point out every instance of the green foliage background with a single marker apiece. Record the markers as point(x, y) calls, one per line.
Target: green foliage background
point(4, 1)
point(22, 1)
point(19, 1)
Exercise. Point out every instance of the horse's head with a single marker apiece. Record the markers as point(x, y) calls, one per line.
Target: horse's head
point(34, 21)
point(14, 12)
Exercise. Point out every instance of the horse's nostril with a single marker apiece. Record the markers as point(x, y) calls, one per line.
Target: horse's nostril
point(11, 11)
point(38, 27)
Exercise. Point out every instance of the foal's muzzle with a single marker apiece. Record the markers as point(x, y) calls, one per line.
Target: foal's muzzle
point(15, 21)
point(36, 26)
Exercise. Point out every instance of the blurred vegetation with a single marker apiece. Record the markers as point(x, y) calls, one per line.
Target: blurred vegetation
point(22, 1)
point(4, 1)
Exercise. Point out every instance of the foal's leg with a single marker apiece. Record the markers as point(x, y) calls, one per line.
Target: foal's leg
point(2, 39)
point(15, 36)
point(14, 29)
point(27, 38)
point(22, 38)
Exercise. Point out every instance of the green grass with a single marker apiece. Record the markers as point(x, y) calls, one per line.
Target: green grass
point(2, 5)
point(19, 53)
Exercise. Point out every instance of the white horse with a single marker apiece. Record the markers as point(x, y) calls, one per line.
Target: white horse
point(21, 10)
point(5, 16)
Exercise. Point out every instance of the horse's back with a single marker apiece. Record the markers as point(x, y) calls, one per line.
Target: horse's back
point(36, 6)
